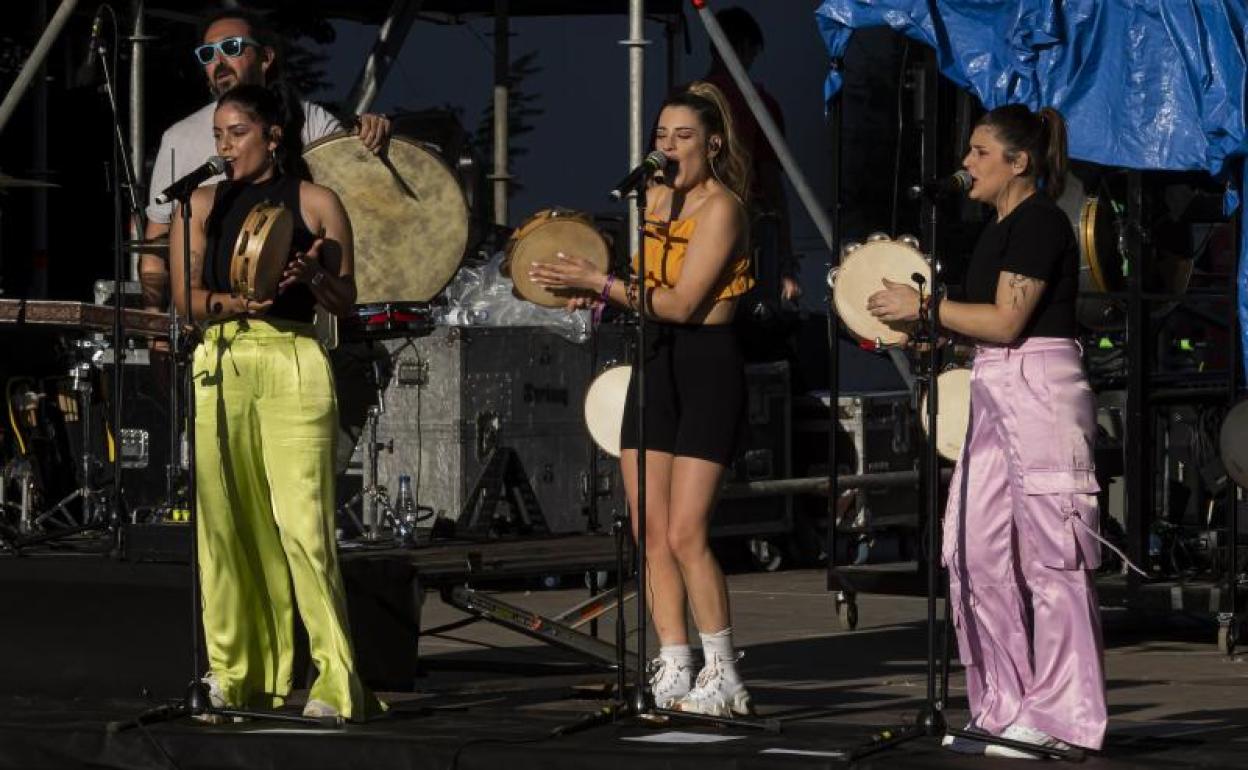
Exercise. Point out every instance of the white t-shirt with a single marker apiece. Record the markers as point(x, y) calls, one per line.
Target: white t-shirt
point(188, 143)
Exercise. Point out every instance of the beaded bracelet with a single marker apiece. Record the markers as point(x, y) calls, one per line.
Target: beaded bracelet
point(602, 299)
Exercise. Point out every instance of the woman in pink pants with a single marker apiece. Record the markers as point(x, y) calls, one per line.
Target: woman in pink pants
point(1020, 536)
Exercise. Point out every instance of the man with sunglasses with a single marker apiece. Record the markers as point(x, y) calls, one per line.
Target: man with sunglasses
point(237, 49)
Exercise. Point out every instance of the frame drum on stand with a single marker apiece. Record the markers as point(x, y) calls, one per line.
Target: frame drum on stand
point(953, 411)
point(604, 407)
point(1100, 265)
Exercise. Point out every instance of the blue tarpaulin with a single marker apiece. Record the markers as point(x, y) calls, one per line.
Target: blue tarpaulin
point(1145, 84)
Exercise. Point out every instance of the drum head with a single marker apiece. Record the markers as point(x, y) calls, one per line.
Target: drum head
point(953, 412)
point(861, 274)
point(1100, 266)
point(541, 241)
point(408, 214)
point(604, 407)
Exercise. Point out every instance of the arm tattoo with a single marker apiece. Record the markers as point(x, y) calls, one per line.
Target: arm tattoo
point(1021, 287)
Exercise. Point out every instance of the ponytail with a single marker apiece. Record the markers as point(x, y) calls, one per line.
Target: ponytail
point(1056, 161)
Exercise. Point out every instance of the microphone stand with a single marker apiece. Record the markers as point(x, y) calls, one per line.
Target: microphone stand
point(197, 701)
point(121, 176)
point(640, 703)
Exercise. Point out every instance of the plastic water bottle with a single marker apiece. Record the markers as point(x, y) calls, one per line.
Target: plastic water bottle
point(405, 510)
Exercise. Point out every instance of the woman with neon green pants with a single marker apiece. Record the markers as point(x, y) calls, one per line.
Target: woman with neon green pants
point(265, 425)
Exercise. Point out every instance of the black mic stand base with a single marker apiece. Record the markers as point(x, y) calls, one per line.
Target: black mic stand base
point(931, 724)
point(198, 704)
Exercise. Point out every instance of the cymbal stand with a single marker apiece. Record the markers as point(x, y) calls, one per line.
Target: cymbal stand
point(92, 514)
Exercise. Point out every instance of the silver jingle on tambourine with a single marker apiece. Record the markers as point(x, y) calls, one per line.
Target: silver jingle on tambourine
point(878, 236)
point(911, 241)
point(832, 276)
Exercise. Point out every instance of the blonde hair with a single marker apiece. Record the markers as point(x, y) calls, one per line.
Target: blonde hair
point(731, 164)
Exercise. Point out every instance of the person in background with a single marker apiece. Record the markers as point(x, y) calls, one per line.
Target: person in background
point(776, 265)
point(237, 48)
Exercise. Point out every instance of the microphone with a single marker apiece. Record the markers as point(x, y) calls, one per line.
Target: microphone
point(85, 73)
point(937, 189)
point(187, 184)
point(655, 161)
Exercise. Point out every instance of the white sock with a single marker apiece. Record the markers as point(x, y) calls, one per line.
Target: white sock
point(680, 654)
point(719, 645)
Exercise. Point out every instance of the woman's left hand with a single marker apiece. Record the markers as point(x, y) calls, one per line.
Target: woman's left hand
point(568, 271)
point(304, 268)
point(895, 302)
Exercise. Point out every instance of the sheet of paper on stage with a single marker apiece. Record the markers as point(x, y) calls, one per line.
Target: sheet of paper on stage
point(806, 753)
point(678, 737)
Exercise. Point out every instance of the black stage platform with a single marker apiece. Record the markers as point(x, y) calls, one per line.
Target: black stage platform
point(512, 730)
point(88, 640)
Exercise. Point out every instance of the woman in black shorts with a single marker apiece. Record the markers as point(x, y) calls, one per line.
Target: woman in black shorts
point(695, 268)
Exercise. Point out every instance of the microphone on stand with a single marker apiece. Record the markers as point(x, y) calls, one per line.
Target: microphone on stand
point(939, 189)
point(184, 186)
point(654, 162)
point(86, 72)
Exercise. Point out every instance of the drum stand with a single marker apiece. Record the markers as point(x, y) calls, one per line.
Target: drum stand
point(97, 514)
point(373, 496)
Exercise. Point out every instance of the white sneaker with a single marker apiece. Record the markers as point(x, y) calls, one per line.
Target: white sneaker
point(1025, 734)
point(319, 709)
point(713, 695)
point(966, 745)
point(216, 697)
point(670, 681)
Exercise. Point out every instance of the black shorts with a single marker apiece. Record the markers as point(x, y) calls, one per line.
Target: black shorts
point(695, 393)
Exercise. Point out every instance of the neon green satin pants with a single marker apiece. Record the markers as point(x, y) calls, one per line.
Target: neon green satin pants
point(265, 427)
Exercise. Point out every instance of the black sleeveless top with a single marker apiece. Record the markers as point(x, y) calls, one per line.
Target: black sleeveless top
point(231, 205)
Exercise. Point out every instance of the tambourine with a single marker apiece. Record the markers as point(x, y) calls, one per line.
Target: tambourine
point(261, 252)
point(539, 239)
point(862, 272)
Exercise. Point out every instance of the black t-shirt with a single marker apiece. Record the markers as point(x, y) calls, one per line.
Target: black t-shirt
point(1036, 240)
point(232, 204)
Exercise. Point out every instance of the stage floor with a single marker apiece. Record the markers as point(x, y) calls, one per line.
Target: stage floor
point(488, 698)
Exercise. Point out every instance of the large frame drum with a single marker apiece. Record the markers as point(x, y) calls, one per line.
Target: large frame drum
point(408, 214)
